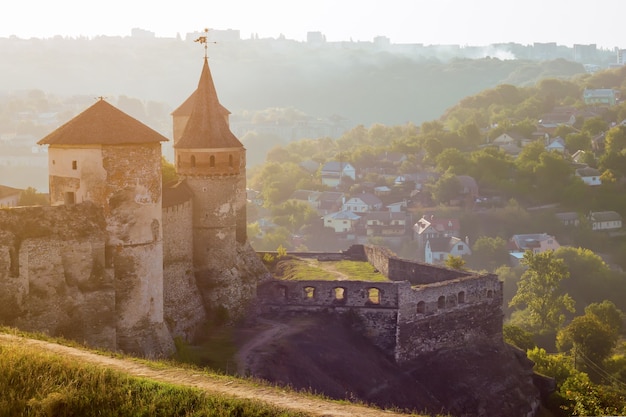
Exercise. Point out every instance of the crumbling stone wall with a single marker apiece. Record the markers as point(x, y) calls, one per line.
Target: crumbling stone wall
point(448, 308)
point(53, 274)
point(184, 310)
point(373, 304)
point(449, 314)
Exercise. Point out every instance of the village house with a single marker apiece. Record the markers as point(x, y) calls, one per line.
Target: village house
point(590, 176)
point(605, 221)
point(429, 227)
point(438, 249)
point(341, 221)
point(385, 223)
point(363, 203)
point(600, 96)
point(334, 172)
point(570, 218)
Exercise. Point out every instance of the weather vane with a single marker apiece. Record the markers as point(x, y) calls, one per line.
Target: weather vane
point(204, 40)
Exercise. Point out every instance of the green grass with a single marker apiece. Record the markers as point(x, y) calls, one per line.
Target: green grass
point(362, 271)
point(306, 270)
point(216, 351)
point(36, 383)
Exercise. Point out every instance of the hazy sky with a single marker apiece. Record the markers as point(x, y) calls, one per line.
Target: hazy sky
point(464, 22)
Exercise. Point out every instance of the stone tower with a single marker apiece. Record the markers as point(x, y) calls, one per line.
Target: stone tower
point(212, 162)
point(111, 159)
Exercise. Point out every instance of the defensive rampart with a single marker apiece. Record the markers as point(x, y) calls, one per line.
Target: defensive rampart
point(447, 308)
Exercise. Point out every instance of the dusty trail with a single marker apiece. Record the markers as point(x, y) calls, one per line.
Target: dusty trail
point(223, 384)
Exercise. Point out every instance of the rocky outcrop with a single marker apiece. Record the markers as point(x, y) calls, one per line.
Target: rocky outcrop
point(323, 353)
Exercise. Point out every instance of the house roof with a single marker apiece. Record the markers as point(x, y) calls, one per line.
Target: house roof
point(102, 124)
point(207, 126)
point(443, 244)
point(441, 225)
point(565, 216)
point(343, 215)
point(332, 196)
point(598, 92)
point(335, 166)
point(6, 191)
point(587, 172)
point(369, 199)
point(176, 193)
point(604, 216)
point(529, 241)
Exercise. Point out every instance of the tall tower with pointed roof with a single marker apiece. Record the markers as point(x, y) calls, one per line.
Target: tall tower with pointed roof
point(113, 160)
point(212, 162)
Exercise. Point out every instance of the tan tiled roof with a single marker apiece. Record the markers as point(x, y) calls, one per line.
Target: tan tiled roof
point(207, 127)
point(102, 124)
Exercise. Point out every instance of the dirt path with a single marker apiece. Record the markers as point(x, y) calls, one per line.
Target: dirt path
point(224, 385)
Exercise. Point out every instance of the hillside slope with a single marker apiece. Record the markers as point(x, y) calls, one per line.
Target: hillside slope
point(211, 384)
point(325, 355)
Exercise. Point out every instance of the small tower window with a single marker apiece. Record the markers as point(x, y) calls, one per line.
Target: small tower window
point(193, 161)
point(178, 162)
point(421, 307)
point(373, 295)
point(230, 161)
point(212, 161)
point(74, 165)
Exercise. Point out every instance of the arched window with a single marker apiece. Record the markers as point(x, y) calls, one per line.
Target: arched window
point(441, 302)
point(212, 161)
point(230, 161)
point(309, 292)
point(421, 307)
point(461, 297)
point(489, 294)
point(193, 161)
point(373, 295)
point(340, 294)
point(178, 161)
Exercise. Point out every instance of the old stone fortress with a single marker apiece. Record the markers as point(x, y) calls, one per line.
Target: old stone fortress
point(119, 261)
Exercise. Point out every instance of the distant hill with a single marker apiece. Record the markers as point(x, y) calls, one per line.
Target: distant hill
point(364, 85)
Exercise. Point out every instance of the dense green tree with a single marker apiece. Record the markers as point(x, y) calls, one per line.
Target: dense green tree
point(31, 197)
point(446, 188)
point(589, 337)
point(577, 141)
point(455, 262)
point(489, 253)
point(615, 140)
point(589, 276)
point(518, 337)
point(608, 314)
point(594, 125)
point(539, 291)
point(168, 171)
point(452, 160)
point(293, 214)
point(492, 168)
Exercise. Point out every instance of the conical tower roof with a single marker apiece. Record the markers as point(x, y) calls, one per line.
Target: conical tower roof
point(207, 127)
point(102, 124)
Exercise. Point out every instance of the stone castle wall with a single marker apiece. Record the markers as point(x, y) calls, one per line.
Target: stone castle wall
point(405, 320)
point(183, 306)
point(53, 273)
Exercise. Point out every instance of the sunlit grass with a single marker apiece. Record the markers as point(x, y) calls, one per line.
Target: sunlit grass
point(38, 383)
point(312, 269)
